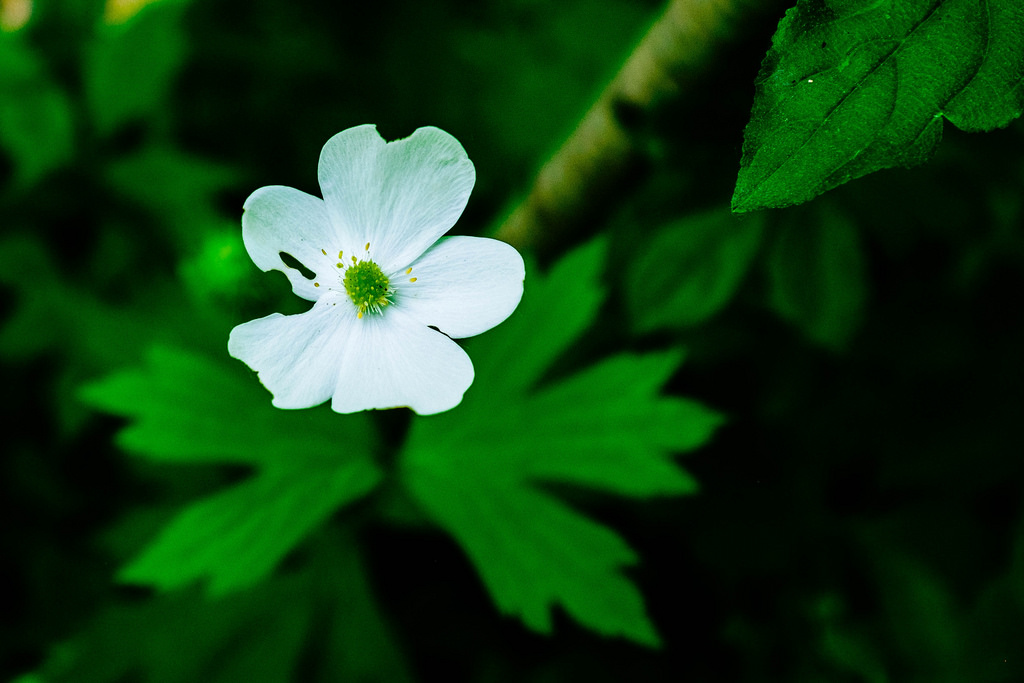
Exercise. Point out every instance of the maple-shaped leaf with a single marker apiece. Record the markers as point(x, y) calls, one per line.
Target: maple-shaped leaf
point(187, 408)
point(477, 471)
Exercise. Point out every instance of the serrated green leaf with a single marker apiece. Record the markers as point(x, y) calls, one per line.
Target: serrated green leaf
point(601, 429)
point(186, 406)
point(690, 269)
point(854, 86)
point(995, 94)
point(475, 470)
point(130, 66)
point(530, 549)
point(817, 275)
point(36, 124)
point(236, 537)
point(523, 347)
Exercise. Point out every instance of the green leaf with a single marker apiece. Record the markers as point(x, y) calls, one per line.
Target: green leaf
point(130, 66)
point(186, 408)
point(476, 470)
point(183, 637)
point(530, 549)
point(178, 189)
point(588, 424)
point(912, 592)
point(995, 94)
point(817, 274)
point(854, 86)
point(691, 269)
point(323, 618)
point(526, 344)
point(36, 122)
point(236, 537)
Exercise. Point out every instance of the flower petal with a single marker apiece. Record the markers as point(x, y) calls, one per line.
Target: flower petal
point(400, 196)
point(394, 360)
point(464, 285)
point(298, 356)
point(280, 219)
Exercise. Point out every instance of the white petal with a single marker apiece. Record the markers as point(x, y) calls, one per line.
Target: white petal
point(395, 360)
point(400, 196)
point(282, 219)
point(298, 356)
point(464, 285)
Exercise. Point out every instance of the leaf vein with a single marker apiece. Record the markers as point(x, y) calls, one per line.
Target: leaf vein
point(842, 100)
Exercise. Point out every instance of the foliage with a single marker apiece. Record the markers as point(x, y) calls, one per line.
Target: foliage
point(852, 87)
point(130, 65)
point(36, 127)
point(848, 510)
point(476, 471)
point(691, 269)
point(816, 268)
point(186, 409)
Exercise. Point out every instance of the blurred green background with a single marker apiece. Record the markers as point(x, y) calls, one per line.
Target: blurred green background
point(859, 513)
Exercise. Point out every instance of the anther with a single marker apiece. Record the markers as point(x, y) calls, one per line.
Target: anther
point(367, 246)
point(412, 279)
point(408, 270)
point(323, 252)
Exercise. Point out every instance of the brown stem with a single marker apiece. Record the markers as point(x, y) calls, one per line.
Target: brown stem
point(578, 185)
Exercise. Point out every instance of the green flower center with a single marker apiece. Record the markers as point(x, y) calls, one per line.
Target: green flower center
point(367, 286)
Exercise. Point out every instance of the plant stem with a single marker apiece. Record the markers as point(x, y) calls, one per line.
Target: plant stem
point(593, 167)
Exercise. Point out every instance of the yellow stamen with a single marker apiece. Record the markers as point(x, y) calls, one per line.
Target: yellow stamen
point(408, 270)
point(323, 252)
point(367, 246)
point(360, 314)
point(412, 279)
point(316, 284)
point(341, 255)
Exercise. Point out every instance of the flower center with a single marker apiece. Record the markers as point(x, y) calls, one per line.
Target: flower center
point(367, 286)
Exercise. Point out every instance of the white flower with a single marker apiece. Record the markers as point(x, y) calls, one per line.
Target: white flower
point(382, 277)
